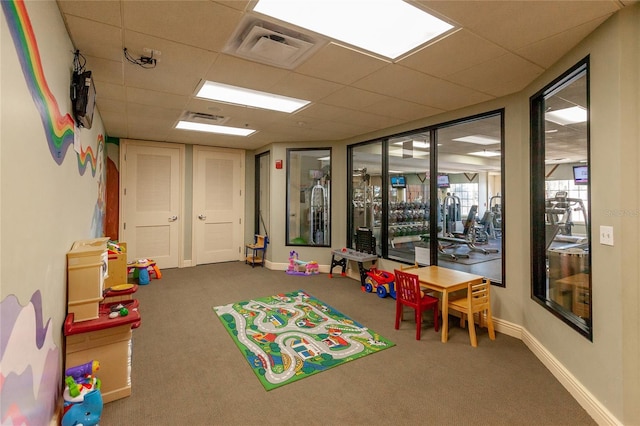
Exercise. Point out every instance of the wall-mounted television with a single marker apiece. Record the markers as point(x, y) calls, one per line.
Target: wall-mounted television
point(398, 182)
point(581, 175)
point(83, 98)
point(443, 181)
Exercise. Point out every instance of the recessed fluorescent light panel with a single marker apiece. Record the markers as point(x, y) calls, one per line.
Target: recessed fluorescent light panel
point(214, 128)
point(389, 28)
point(565, 116)
point(247, 97)
point(478, 139)
point(485, 153)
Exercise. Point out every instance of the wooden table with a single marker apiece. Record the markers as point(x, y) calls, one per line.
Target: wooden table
point(445, 281)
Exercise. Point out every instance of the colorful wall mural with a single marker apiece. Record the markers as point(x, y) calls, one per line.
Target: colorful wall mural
point(30, 376)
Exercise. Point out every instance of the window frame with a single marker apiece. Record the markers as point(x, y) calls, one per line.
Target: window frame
point(537, 183)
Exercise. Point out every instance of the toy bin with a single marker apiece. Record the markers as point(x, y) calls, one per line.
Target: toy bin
point(117, 267)
point(108, 340)
point(87, 268)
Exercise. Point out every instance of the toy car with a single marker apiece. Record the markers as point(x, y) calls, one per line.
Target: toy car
point(382, 282)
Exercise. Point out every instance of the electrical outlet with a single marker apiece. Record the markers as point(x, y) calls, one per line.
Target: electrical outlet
point(152, 52)
point(606, 235)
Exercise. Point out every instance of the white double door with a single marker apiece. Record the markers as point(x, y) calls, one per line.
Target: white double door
point(154, 218)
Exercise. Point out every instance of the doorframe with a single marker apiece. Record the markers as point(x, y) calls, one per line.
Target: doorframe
point(194, 170)
point(124, 144)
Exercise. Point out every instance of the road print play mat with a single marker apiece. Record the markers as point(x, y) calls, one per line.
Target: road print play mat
point(290, 336)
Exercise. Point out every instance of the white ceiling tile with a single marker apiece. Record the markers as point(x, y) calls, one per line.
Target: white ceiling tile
point(107, 12)
point(202, 24)
point(340, 64)
point(507, 74)
point(439, 59)
point(96, 39)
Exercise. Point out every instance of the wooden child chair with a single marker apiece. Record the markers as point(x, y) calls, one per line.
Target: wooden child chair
point(408, 293)
point(478, 299)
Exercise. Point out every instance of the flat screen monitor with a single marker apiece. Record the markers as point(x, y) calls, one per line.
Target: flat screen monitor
point(83, 97)
point(398, 182)
point(581, 175)
point(443, 181)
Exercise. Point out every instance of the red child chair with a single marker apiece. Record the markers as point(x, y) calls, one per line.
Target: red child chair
point(408, 293)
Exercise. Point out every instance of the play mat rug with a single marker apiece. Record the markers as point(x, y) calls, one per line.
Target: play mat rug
point(291, 336)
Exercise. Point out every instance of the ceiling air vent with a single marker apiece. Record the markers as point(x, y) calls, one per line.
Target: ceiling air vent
point(200, 117)
point(271, 44)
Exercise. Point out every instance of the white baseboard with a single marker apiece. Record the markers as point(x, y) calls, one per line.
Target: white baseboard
point(586, 399)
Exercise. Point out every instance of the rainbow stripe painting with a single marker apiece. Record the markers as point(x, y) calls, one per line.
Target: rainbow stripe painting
point(59, 128)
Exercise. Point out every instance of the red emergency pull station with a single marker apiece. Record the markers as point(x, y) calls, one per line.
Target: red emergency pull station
point(278, 164)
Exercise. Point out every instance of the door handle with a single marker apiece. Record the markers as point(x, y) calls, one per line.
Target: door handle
point(173, 218)
point(202, 217)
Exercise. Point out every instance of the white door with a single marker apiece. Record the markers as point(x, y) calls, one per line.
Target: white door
point(151, 178)
point(218, 205)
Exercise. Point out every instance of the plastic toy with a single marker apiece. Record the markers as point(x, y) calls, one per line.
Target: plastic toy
point(299, 267)
point(382, 282)
point(141, 269)
point(79, 372)
point(82, 398)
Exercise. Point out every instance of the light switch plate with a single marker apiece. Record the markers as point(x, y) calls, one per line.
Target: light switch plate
point(606, 235)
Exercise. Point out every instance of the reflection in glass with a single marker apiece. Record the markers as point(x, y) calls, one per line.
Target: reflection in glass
point(309, 197)
point(560, 198)
point(469, 187)
point(408, 195)
point(366, 187)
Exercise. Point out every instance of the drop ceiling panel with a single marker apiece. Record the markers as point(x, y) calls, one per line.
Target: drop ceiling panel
point(413, 86)
point(157, 99)
point(236, 4)
point(438, 60)
point(179, 70)
point(116, 92)
point(402, 110)
point(350, 97)
point(501, 76)
point(96, 39)
point(548, 51)
point(202, 24)
point(147, 128)
point(241, 72)
point(112, 106)
point(303, 87)
point(340, 64)
point(153, 111)
point(514, 24)
point(104, 70)
point(115, 122)
point(107, 12)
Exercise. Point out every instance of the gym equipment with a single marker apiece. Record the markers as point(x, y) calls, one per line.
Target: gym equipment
point(559, 210)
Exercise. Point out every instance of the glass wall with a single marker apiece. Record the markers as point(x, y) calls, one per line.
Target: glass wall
point(365, 209)
point(309, 197)
point(409, 198)
point(453, 217)
point(469, 191)
point(560, 186)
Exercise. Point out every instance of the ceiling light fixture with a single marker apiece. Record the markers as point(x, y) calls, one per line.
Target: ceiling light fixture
point(478, 139)
point(576, 114)
point(485, 153)
point(248, 97)
point(213, 128)
point(361, 24)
